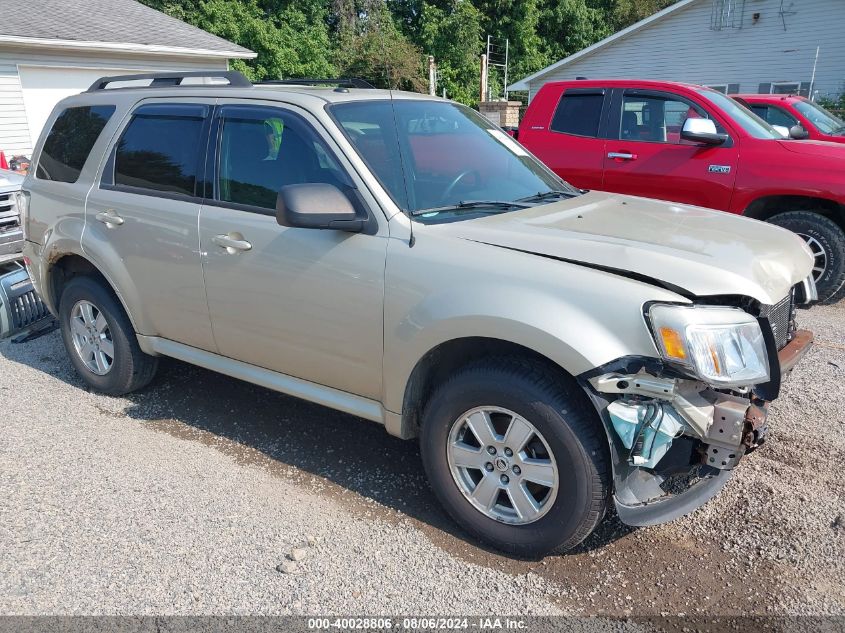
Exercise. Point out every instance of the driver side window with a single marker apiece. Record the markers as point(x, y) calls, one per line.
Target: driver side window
point(264, 149)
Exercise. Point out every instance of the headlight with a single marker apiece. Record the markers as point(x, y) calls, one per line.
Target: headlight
point(720, 346)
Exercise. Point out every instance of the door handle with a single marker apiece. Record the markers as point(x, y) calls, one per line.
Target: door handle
point(622, 155)
point(110, 218)
point(231, 244)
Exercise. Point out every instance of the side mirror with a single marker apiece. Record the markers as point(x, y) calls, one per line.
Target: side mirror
point(702, 131)
point(512, 131)
point(782, 130)
point(798, 132)
point(316, 206)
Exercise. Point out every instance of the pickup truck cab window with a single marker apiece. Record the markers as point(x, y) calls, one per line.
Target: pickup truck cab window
point(578, 113)
point(774, 115)
point(657, 118)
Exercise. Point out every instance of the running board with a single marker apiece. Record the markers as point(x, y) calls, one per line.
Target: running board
point(320, 394)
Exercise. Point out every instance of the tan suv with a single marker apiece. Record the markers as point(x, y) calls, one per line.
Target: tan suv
point(398, 257)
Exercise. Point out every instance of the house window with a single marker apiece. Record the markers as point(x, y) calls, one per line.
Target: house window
point(786, 88)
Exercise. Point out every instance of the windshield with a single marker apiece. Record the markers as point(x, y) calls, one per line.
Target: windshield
point(825, 121)
point(742, 116)
point(454, 159)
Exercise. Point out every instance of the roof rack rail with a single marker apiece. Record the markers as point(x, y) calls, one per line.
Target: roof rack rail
point(158, 80)
point(343, 82)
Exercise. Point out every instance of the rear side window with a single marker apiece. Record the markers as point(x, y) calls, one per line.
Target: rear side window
point(160, 150)
point(70, 141)
point(578, 114)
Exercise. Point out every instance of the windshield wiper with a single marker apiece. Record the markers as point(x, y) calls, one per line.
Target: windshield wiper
point(545, 195)
point(503, 205)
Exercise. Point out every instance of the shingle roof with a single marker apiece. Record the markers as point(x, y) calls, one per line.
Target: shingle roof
point(121, 22)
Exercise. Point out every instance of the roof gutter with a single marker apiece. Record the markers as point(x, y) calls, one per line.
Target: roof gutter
point(124, 47)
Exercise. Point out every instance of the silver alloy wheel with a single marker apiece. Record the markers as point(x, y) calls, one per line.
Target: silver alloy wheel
point(91, 337)
point(819, 255)
point(502, 465)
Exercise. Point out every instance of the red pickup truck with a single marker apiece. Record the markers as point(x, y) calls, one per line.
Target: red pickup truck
point(787, 111)
point(690, 144)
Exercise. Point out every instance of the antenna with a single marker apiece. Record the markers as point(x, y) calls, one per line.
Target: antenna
point(384, 7)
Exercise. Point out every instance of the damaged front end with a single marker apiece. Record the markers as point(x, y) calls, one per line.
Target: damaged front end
point(678, 425)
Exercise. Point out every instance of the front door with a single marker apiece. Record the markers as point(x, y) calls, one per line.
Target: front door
point(648, 157)
point(141, 220)
point(304, 302)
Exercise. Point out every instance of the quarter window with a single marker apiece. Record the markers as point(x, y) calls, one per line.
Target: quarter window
point(160, 149)
point(70, 141)
point(265, 149)
point(579, 114)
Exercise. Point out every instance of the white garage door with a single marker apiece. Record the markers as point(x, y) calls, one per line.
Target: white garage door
point(43, 87)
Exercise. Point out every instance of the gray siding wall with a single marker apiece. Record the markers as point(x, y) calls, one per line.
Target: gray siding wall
point(15, 133)
point(682, 47)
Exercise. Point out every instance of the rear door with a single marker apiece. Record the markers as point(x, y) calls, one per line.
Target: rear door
point(141, 219)
point(647, 156)
point(570, 139)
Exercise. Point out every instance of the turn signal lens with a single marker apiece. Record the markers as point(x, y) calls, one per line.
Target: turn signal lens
point(673, 343)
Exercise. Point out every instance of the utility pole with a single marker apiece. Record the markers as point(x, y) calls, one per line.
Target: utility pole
point(813, 78)
point(432, 76)
point(483, 78)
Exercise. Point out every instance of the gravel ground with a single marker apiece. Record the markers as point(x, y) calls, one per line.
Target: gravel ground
point(187, 497)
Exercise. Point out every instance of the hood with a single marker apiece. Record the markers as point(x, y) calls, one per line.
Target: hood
point(700, 251)
point(826, 150)
point(10, 180)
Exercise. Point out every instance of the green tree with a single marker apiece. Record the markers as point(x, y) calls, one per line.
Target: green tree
point(371, 46)
point(289, 42)
point(453, 36)
point(567, 26)
point(624, 13)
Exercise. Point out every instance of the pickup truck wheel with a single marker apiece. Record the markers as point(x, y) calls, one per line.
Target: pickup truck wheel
point(100, 340)
point(516, 456)
point(827, 242)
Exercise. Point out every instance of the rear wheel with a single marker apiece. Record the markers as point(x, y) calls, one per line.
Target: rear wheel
point(517, 456)
point(100, 340)
point(826, 240)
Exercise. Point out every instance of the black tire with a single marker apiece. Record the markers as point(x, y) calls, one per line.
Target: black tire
point(558, 409)
point(131, 368)
point(831, 238)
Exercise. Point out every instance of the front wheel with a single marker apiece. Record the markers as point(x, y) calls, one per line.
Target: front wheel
point(517, 456)
point(826, 240)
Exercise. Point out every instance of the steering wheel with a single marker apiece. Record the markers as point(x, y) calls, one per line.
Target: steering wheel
point(455, 181)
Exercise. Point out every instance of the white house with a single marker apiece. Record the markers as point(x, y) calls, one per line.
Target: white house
point(732, 45)
point(50, 49)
